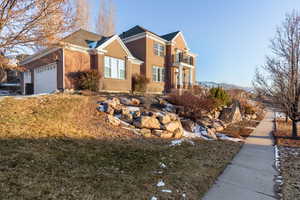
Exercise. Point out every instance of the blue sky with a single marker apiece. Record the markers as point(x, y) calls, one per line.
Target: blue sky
point(231, 37)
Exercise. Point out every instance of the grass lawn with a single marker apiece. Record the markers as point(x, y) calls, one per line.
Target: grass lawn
point(60, 147)
point(289, 151)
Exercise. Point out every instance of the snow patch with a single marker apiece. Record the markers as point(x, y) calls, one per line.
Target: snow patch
point(133, 109)
point(162, 165)
point(180, 141)
point(160, 183)
point(198, 132)
point(225, 137)
point(154, 198)
point(167, 191)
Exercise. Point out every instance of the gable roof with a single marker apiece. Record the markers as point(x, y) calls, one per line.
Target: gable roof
point(82, 38)
point(97, 43)
point(170, 36)
point(136, 30)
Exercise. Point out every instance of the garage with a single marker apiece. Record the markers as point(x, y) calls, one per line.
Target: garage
point(45, 78)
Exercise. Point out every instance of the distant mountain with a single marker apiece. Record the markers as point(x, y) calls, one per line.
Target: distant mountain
point(211, 84)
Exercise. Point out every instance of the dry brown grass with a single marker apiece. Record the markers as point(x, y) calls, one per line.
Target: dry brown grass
point(59, 147)
point(55, 116)
point(240, 129)
point(285, 129)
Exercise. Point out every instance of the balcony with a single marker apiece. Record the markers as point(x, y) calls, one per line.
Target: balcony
point(183, 58)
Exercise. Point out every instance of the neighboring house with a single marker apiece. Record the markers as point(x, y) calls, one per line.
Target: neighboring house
point(117, 61)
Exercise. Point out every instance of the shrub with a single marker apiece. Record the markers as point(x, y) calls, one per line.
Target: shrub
point(198, 90)
point(86, 80)
point(139, 83)
point(194, 106)
point(220, 95)
point(248, 108)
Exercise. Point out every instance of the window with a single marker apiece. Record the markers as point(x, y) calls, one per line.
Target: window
point(158, 74)
point(114, 68)
point(159, 49)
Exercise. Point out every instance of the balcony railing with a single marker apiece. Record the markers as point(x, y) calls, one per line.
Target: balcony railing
point(183, 58)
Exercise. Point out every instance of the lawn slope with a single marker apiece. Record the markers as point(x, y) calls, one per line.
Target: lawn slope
point(60, 147)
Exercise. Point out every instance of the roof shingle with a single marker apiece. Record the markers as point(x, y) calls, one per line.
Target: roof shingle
point(83, 38)
point(170, 36)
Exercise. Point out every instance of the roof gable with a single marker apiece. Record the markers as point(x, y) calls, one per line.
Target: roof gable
point(133, 31)
point(82, 38)
point(179, 38)
point(110, 40)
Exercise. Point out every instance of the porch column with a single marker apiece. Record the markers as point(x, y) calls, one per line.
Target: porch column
point(180, 75)
point(191, 76)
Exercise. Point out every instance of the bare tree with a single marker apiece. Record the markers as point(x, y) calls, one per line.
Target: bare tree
point(280, 80)
point(30, 23)
point(106, 18)
point(83, 14)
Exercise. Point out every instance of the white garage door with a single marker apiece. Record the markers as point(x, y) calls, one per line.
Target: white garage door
point(45, 79)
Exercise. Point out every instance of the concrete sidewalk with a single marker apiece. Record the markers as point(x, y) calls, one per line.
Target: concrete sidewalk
point(251, 174)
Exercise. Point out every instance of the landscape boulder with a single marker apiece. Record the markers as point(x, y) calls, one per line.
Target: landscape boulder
point(172, 126)
point(188, 125)
point(147, 122)
point(135, 101)
point(113, 102)
point(127, 117)
point(163, 134)
point(217, 125)
point(178, 133)
point(231, 114)
point(211, 132)
point(113, 120)
point(164, 118)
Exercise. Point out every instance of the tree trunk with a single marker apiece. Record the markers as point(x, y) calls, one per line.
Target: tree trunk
point(286, 118)
point(294, 130)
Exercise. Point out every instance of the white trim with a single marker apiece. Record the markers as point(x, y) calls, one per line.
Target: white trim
point(177, 64)
point(109, 41)
point(155, 38)
point(74, 47)
point(136, 61)
point(147, 35)
point(192, 54)
point(38, 55)
point(134, 37)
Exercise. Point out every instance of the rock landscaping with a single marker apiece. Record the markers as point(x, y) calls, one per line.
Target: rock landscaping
point(165, 120)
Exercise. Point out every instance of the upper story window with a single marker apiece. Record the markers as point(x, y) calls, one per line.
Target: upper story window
point(114, 68)
point(158, 74)
point(159, 49)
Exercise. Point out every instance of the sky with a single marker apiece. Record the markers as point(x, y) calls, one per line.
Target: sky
point(230, 37)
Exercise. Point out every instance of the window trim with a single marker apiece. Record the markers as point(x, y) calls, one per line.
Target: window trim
point(108, 60)
point(159, 49)
point(158, 74)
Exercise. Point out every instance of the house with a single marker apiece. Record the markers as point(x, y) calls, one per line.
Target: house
point(165, 60)
point(168, 62)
